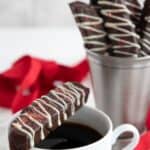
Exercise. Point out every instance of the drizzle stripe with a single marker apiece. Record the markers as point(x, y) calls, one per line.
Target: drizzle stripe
point(45, 114)
point(119, 26)
point(57, 103)
point(53, 108)
point(37, 123)
point(98, 39)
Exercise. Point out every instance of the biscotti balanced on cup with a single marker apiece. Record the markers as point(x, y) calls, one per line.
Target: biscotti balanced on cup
point(45, 114)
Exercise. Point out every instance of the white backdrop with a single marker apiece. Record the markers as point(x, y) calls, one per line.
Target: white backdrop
point(35, 13)
point(52, 13)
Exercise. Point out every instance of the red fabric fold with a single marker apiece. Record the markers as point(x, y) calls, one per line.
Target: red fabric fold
point(30, 77)
point(144, 143)
point(148, 119)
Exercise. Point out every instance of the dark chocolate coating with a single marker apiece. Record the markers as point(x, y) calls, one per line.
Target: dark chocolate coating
point(145, 12)
point(83, 8)
point(119, 39)
point(145, 28)
point(18, 140)
point(98, 8)
point(93, 2)
point(136, 12)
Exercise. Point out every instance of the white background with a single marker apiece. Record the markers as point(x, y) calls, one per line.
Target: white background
point(27, 13)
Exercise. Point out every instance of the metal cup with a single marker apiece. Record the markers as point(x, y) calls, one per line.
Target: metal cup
point(121, 87)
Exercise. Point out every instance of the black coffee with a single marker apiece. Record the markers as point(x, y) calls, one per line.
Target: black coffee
point(70, 135)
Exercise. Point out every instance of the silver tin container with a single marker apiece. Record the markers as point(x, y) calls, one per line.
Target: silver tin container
point(121, 87)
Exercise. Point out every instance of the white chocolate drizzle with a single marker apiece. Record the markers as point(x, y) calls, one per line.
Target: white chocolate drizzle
point(27, 126)
point(45, 114)
point(58, 94)
point(37, 123)
point(61, 100)
point(97, 39)
point(65, 95)
point(136, 12)
point(56, 103)
point(20, 128)
point(119, 26)
point(42, 102)
point(77, 91)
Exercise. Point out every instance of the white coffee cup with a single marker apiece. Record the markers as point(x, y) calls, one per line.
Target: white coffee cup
point(99, 121)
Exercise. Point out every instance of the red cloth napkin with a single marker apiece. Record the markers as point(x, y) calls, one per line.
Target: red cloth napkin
point(148, 120)
point(144, 143)
point(30, 77)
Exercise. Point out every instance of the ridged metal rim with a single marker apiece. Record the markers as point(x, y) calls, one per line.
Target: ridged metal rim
point(117, 62)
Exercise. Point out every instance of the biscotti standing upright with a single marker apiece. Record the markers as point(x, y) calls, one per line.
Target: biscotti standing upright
point(45, 114)
point(145, 29)
point(135, 9)
point(91, 27)
point(121, 30)
point(133, 6)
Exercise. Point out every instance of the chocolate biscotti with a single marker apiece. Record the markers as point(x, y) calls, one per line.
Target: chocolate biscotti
point(135, 9)
point(91, 26)
point(145, 28)
point(45, 114)
point(121, 30)
point(124, 22)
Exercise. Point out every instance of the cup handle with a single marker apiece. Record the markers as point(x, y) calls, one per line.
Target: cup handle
point(126, 128)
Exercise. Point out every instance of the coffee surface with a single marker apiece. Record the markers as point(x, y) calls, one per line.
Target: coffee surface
point(70, 135)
